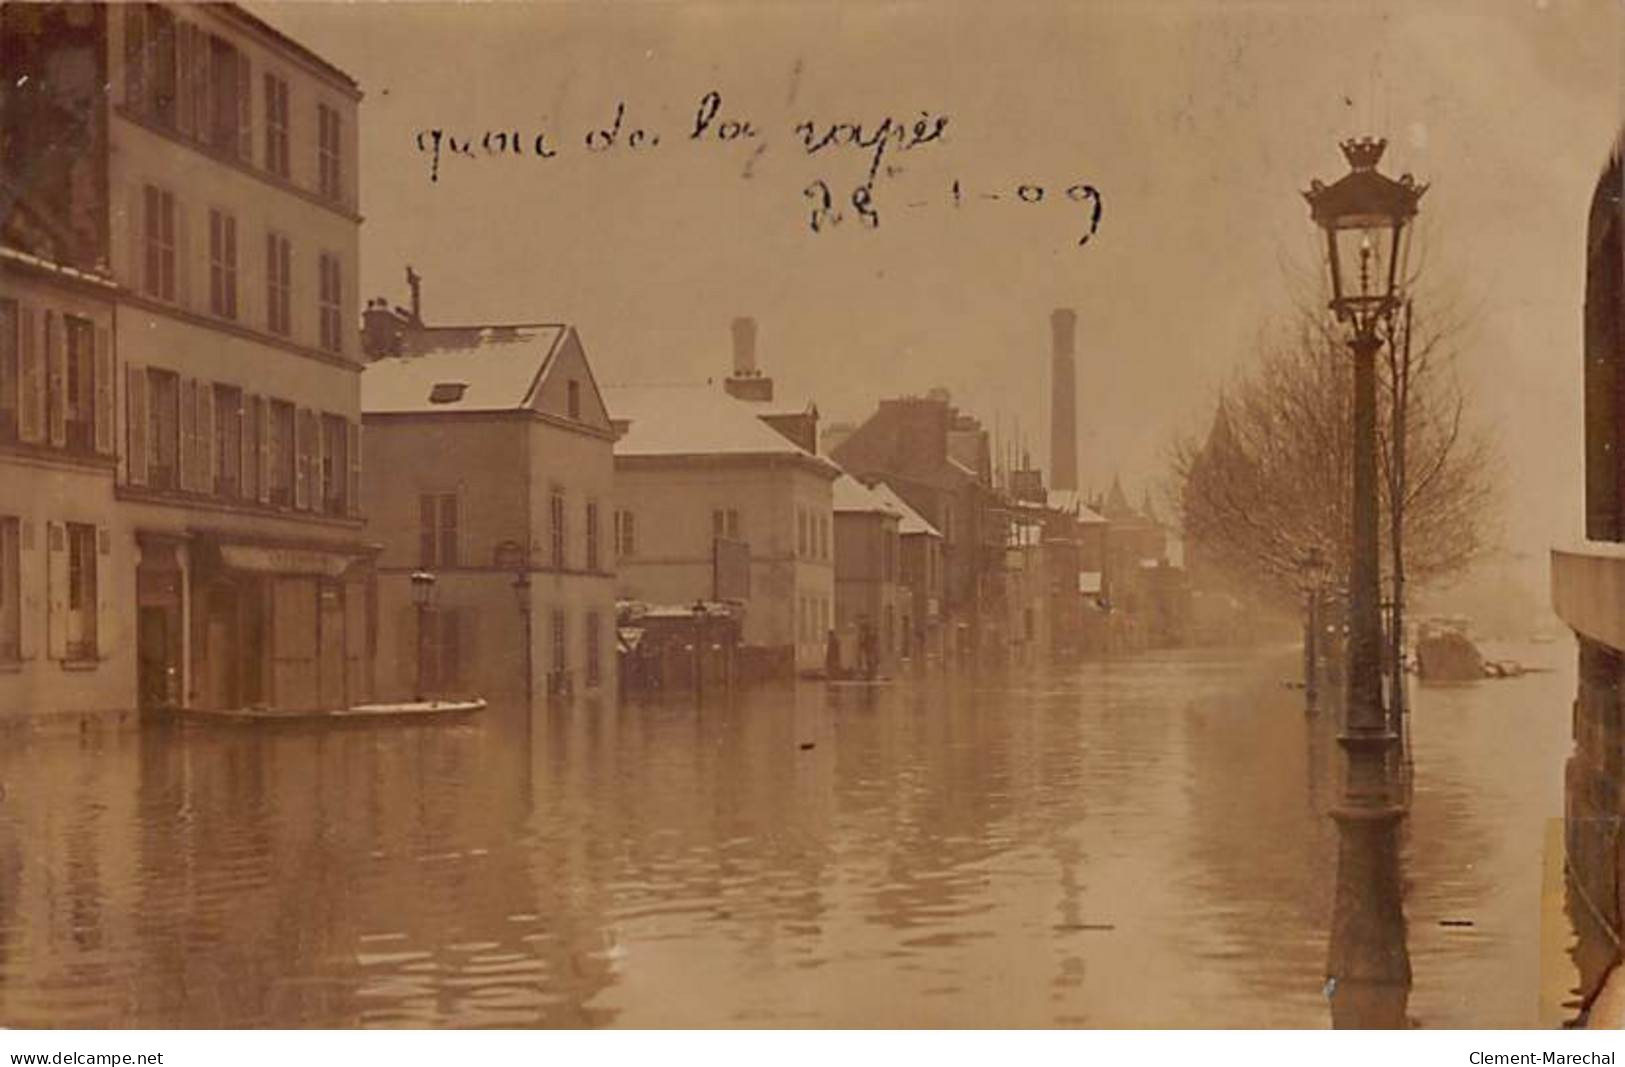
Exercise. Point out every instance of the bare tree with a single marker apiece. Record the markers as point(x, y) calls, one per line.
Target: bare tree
point(1269, 485)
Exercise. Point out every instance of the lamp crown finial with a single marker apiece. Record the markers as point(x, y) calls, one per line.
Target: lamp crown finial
point(1363, 153)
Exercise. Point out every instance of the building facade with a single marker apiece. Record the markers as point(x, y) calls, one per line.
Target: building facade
point(491, 448)
point(712, 504)
point(1587, 580)
point(203, 164)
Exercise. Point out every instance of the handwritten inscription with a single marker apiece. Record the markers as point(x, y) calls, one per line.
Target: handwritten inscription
point(879, 144)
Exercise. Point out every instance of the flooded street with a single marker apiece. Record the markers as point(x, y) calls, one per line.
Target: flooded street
point(1140, 842)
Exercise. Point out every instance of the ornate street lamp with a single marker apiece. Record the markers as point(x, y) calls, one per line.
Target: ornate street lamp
point(422, 594)
point(1366, 217)
point(521, 596)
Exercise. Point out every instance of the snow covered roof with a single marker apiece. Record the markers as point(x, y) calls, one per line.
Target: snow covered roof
point(1088, 516)
point(852, 496)
point(693, 420)
point(1063, 500)
point(912, 522)
point(476, 368)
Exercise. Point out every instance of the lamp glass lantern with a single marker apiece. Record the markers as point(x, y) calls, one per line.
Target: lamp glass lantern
point(521, 592)
point(422, 588)
point(1366, 217)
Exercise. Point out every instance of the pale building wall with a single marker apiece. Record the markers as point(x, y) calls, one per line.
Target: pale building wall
point(673, 502)
point(42, 487)
point(502, 469)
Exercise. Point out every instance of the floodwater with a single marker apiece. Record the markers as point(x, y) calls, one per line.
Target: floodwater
point(1141, 842)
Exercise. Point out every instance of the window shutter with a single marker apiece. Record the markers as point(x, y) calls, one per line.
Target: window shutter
point(135, 398)
point(262, 419)
point(301, 460)
point(31, 392)
point(136, 237)
point(56, 370)
point(353, 450)
point(207, 453)
point(183, 255)
point(245, 110)
point(248, 456)
point(318, 484)
point(187, 453)
point(56, 590)
point(104, 583)
point(186, 39)
point(104, 391)
point(29, 574)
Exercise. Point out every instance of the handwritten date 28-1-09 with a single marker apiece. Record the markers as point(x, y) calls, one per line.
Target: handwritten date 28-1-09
point(825, 214)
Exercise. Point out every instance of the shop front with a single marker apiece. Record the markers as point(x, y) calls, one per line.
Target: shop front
point(279, 626)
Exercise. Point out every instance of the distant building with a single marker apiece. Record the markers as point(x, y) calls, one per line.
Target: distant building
point(207, 165)
point(920, 625)
point(490, 467)
point(869, 594)
point(936, 458)
point(713, 504)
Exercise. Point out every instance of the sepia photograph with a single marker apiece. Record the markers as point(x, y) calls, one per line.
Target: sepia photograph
point(871, 514)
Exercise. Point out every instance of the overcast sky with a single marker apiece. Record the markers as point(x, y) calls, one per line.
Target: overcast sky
point(1199, 123)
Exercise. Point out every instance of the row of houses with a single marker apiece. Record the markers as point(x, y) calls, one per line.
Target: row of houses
point(216, 492)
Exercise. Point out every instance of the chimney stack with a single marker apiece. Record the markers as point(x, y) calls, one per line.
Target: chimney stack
point(414, 281)
point(1063, 425)
point(744, 328)
point(747, 382)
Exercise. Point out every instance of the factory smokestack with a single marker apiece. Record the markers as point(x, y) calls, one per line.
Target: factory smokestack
point(1063, 421)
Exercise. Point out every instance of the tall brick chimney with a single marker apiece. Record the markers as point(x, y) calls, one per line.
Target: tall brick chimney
point(747, 381)
point(1063, 421)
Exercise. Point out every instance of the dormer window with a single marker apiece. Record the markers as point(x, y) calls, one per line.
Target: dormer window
point(447, 392)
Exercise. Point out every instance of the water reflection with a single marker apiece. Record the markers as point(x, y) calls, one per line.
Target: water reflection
point(1135, 843)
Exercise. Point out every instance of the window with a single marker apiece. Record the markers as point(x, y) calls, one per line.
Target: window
point(276, 125)
point(158, 226)
point(448, 529)
point(81, 621)
point(222, 264)
point(556, 527)
point(10, 590)
point(79, 385)
point(823, 537)
point(327, 151)
point(335, 472)
point(574, 390)
point(437, 529)
point(10, 369)
point(801, 532)
point(228, 440)
point(592, 535)
point(594, 652)
point(725, 523)
point(332, 320)
point(307, 476)
point(625, 534)
point(228, 128)
point(559, 645)
point(163, 429)
point(150, 62)
point(284, 459)
point(278, 284)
